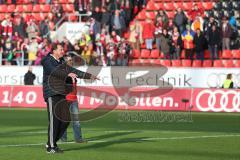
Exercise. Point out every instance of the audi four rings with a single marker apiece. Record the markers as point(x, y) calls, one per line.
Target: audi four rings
point(223, 96)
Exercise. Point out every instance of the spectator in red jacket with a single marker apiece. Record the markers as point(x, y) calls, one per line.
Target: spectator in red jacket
point(195, 12)
point(148, 33)
point(74, 109)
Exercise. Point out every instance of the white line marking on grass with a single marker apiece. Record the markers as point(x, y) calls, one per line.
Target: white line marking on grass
point(190, 137)
point(135, 140)
point(107, 131)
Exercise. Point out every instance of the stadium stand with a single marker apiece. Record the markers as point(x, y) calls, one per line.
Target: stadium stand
point(211, 13)
point(25, 27)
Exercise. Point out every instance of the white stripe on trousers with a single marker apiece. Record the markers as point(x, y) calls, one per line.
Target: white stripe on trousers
point(51, 121)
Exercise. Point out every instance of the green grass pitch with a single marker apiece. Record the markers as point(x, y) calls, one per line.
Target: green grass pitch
point(211, 136)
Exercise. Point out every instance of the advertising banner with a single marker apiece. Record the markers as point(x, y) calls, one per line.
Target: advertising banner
point(124, 98)
point(136, 76)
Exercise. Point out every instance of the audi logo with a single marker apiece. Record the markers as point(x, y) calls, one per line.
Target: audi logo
point(215, 80)
point(218, 100)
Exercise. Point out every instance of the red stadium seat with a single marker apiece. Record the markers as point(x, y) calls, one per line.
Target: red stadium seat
point(45, 8)
point(27, 1)
point(171, 14)
point(220, 54)
point(151, 6)
point(176, 63)
point(156, 62)
point(207, 63)
point(236, 63)
point(2, 16)
point(207, 5)
point(145, 53)
point(19, 8)
point(187, 6)
point(168, 6)
point(43, 16)
point(146, 62)
point(159, 6)
point(197, 63)
point(183, 54)
point(217, 63)
point(236, 54)
point(62, 1)
point(130, 62)
point(228, 63)
point(136, 53)
point(178, 5)
point(27, 8)
point(36, 8)
point(36, 16)
point(11, 8)
point(165, 62)
point(39, 16)
point(68, 7)
point(161, 55)
point(42, 1)
point(150, 15)
point(199, 4)
point(186, 63)
point(207, 54)
point(136, 62)
point(3, 8)
point(227, 54)
point(155, 53)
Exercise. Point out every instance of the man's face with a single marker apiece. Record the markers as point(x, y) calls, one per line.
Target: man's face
point(59, 51)
point(117, 12)
point(97, 9)
point(179, 10)
point(165, 32)
point(196, 7)
point(211, 19)
point(30, 69)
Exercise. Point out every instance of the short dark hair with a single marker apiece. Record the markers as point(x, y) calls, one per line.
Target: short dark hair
point(55, 46)
point(229, 76)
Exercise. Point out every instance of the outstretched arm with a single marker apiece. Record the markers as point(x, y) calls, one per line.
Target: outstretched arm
point(75, 73)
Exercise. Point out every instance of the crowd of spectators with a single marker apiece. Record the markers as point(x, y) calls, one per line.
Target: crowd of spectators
point(192, 32)
point(103, 42)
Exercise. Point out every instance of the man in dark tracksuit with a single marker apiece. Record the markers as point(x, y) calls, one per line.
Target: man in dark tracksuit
point(55, 73)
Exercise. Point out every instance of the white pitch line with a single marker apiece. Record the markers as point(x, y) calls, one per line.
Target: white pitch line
point(135, 140)
point(191, 137)
point(107, 131)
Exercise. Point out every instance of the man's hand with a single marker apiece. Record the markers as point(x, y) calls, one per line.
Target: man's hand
point(73, 76)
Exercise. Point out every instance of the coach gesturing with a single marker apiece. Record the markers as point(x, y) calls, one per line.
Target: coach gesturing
point(55, 72)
